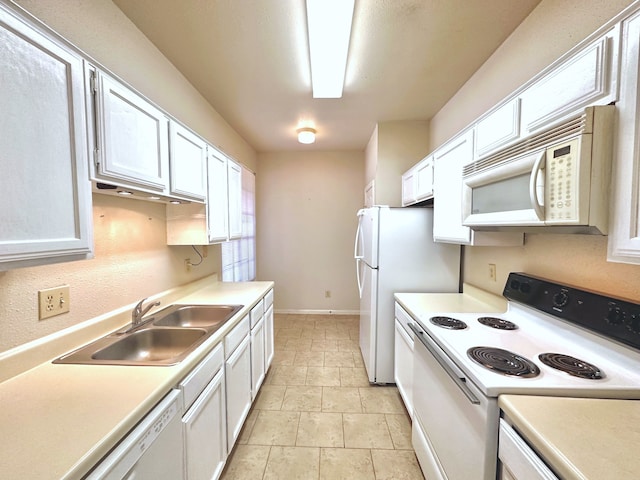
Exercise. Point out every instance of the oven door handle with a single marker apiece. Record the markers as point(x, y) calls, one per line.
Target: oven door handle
point(459, 379)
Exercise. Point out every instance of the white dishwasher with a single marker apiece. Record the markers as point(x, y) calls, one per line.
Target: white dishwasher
point(152, 450)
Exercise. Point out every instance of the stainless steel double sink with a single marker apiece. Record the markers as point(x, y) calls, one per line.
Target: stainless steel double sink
point(164, 338)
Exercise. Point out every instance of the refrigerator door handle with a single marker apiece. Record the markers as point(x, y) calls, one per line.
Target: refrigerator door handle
point(357, 252)
point(360, 283)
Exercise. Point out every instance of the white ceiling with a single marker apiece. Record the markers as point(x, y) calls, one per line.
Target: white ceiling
point(249, 59)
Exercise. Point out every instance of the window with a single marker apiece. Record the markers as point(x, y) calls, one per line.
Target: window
point(239, 256)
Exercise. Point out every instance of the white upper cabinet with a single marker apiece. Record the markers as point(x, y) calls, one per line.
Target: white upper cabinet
point(498, 128)
point(218, 204)
point(581, 78)
point(46, 213)
point(221, 218)
point(417, 182)
point(447, 214)
point(409, 187)
point(132, 138)
point(188, 162)
point(624, 232)
point(234, 178)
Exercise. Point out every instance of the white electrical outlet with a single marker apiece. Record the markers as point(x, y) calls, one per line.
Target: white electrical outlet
point(53, 301)
point(492, 272)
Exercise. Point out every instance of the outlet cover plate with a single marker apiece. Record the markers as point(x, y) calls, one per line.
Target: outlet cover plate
point(53, 301)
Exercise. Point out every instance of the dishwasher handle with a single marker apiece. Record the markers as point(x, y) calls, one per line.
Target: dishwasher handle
point(456, 375)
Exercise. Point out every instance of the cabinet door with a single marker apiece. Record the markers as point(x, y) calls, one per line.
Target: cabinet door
point(237, 370)
point(624, 235)
point(217, 204)
point(133, 138)
point(403, 366)
point(424, 179)
point(447, 214)
point(46, 214)
point(498, 128)
point(234, 177)
point(205, 432)
point(409, 187)
point(268, 338)
point(577, 81)
point(188, 163)
point(257, 357)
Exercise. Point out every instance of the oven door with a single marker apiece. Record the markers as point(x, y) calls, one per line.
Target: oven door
point(455, 427)
point(507, 194)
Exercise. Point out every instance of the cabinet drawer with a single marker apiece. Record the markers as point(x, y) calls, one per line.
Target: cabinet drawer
point(200, 376)
point(256, 313)
point(235, 336)
point(268, 299)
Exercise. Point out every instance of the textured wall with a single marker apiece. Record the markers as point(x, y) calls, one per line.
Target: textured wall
point(131, 261)
point(306, 223)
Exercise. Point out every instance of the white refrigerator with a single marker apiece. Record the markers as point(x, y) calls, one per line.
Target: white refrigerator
point(395, 252)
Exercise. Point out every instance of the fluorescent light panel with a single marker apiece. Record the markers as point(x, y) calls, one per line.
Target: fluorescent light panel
point(329, 23)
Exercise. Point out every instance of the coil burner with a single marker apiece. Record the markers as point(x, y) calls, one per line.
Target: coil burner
point(571, 365)
point(498, 323)
point(448, 322)
point(503, 361)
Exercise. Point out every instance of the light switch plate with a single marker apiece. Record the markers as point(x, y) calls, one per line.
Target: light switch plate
point(53, 301)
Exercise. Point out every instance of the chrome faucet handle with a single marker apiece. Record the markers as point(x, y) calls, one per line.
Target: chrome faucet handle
point(139, 312)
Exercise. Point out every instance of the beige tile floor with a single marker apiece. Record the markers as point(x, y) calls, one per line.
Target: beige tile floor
point(317, 417)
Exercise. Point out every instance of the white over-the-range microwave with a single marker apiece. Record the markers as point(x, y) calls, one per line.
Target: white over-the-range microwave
point(556, 180)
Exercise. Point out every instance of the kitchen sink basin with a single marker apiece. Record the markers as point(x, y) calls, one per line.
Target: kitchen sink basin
point(151, 345)
point(164, 338)
point(199, 316)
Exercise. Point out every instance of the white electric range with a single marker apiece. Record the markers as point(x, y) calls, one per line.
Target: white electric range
point(463, 361)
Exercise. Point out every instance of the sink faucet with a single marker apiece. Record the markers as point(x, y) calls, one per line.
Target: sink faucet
point(139, 312)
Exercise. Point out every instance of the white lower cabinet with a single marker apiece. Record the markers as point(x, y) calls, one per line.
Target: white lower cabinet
point(268, 337)
point(205, 432)
point(257, 357)
point(237, 369)
point(257, 348)
point(204, 423)
point(403, 364)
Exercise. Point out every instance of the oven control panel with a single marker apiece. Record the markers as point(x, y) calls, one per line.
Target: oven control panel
point(614, 318)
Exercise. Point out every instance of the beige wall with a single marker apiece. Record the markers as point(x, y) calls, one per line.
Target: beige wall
point(131, 256)
point(306, 206)
point(393, 148)
point(553, 28)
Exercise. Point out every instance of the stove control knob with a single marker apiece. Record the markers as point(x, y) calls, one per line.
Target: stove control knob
point(560, 299)
point(633, 323)
point(615, 315)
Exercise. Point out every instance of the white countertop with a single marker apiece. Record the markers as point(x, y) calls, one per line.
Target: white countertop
point(580, 438)
point(58, 421)
point(423, 305)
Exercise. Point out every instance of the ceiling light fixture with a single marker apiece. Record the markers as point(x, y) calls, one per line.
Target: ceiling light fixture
point(329, 24)
point(306, 135)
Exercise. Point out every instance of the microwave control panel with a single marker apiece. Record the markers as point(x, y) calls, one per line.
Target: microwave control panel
point(562, 182)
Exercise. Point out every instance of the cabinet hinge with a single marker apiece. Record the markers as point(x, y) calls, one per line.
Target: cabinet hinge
point(96, 157)
point(92, 82)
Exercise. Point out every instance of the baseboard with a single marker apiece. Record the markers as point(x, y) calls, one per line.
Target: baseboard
point(317, 312)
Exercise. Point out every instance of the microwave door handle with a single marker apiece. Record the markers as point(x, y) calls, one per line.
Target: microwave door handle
point(539, 164)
